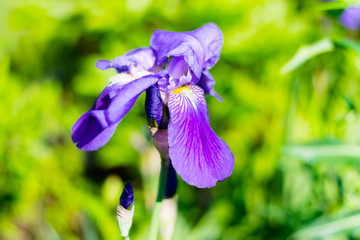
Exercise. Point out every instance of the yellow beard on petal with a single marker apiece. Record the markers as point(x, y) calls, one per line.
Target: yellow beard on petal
point(180, 90)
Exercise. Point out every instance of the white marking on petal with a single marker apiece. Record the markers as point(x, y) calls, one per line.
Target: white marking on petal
point(124, 78)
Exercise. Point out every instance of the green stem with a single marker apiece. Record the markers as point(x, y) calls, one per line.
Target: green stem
point(155, 219)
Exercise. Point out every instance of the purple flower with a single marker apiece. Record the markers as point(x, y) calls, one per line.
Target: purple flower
point(350, 18)
point(174, 73)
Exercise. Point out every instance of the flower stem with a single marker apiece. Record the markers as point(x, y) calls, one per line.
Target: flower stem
point(155, 219)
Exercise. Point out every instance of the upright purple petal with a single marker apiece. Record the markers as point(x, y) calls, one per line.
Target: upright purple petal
point(141, 58)
point(200, 48)
point(174, 44)
point(95, 128)
point(198, 155)
point(177, 67)
point(211, 39)
point(207, 83)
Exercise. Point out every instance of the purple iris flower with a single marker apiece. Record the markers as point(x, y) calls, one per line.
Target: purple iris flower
point(174, 73)
point(350, 18)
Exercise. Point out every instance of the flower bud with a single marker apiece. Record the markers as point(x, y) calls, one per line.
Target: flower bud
point(125, 210)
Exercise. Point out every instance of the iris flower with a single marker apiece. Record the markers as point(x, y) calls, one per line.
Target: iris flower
point(174, 73)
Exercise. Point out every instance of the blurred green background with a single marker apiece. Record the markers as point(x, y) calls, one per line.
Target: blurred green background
point(289, 75)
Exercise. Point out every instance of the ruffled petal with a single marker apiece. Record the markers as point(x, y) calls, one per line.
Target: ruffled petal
point(198, 155)
point(207, 83)
point(175, 44)
point(95, 128)
point(200, 48)
point(141, 58)
point(211, 40)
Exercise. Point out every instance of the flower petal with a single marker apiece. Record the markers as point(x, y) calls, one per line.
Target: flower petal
point(177, 67)
point(207, 83)
point(89, 132)
point(95, 128)
point(198, 155)
point(141, 58)
point(126, 98)
point(200, 48)
point(175, 44)
point(211, 39)
point(92, 130)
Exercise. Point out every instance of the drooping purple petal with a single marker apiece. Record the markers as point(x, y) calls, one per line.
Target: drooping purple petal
point(211, 39)
point(154, 104)
point(89, 134)
point(127, 195)
point(198, 155)
point(207, 83)
point(350, 18)
point(141, 58)
point(92, 130)
point(95, 128)
point(175, 44)
point(123, 102)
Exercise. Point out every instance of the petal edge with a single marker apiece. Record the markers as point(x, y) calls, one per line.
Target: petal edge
point(198, 155)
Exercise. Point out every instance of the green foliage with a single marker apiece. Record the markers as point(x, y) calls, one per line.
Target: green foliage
point(290, 115)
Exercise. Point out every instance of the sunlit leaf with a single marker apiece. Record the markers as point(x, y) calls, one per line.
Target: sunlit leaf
point(307, 52)
point(348, 44)
point(328, 152)
point(328, 228)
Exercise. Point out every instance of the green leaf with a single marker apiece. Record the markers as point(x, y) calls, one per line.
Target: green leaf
point(348, 44)
point(328, 152)
point(330, 227)
point(336, 5)
point(331, 6)
point(307, 52)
